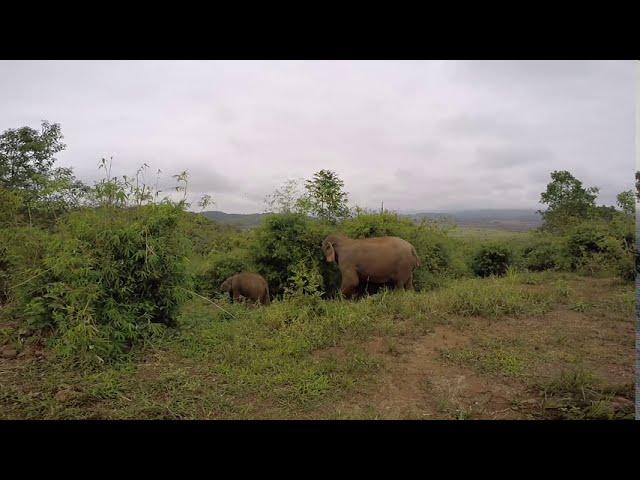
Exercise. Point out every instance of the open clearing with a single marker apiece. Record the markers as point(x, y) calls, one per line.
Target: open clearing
point(527, 346)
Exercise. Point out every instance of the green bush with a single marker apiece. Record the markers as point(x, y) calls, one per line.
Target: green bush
point(369, 224)
point(11, 205)
point(544, 253)
point(207, 236)
point(491, 259)
point(305, 279)
point(285, 240)
point(21, 250)
point(108, 278)
point(602, 248)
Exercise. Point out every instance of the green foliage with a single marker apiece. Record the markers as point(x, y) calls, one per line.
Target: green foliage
point(602, 248)
point(568, 202)
point(282, 242)
point(25, 153)
point(367, 224)
point(305, 279)
point(544, 252)
point(626, 202)
point(22, 249)
point(325, 198)
point(11, 207)
point(287, 198)
point(107, 279)
point(205, 201)
point(207, 236)
point(39, 192)
point(491, 259)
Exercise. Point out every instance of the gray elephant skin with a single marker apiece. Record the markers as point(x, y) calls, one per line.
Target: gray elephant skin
point(246, 285)
point(371, 260)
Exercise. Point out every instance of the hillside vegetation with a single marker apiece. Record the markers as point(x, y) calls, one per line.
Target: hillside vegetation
point(498, 219)
point(110, 305)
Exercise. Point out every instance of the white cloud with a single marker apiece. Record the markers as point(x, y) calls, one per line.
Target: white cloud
point(415, 134)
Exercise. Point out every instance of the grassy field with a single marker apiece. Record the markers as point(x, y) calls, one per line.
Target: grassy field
point(528, 345)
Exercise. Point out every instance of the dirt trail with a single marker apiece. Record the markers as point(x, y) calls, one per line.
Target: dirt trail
point(420, 385)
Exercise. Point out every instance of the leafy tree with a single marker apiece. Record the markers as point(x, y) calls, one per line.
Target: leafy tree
point(325, 196)
point(286, 199)
point(626, 202)
point(638, 184)
point(25, 153)
point(567, 201)
point(205, 201)
point(27, 159)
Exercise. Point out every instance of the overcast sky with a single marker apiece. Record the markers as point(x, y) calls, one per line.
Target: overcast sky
point(418, 135)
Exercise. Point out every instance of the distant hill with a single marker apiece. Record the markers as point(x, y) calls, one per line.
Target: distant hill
point(502, 219)
point(238, 219)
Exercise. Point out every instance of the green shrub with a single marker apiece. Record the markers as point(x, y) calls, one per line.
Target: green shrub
point(108, 278)
point(369, 224)
point(11, 206)
point(602, 248)
point(207, 236)
point(543, 253)
point(21, 250)
point(491, 259)
point(285, 240)
point(305, 279)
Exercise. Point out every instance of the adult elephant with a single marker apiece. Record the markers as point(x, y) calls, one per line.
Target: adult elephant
point(371, 260)
point(251, 286)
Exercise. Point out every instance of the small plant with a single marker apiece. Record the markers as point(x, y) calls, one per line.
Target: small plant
point(305, 280)
point(580, 306)
point(562, 288)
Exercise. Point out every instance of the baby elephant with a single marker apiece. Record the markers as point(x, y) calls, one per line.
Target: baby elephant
point(247, 285)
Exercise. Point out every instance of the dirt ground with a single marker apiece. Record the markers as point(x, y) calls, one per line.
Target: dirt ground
point(429, 379)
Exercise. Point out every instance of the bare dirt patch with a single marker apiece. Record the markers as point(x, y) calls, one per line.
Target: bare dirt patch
point(420, 383)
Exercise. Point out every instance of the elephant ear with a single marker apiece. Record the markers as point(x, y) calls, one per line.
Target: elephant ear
point(331, 253)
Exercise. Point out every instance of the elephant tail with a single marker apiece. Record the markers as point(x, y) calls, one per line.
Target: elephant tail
point(266, 300)
point(413, 251)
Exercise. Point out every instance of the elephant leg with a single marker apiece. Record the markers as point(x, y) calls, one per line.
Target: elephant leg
point(409, 283)
point(399, 283)
point(349, 284)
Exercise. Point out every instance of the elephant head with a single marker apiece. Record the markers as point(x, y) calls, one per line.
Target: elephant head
point(226, 285)
point(328, 247)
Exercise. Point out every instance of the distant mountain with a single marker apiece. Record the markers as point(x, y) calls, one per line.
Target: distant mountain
point(503, 219)
point(238, 219)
